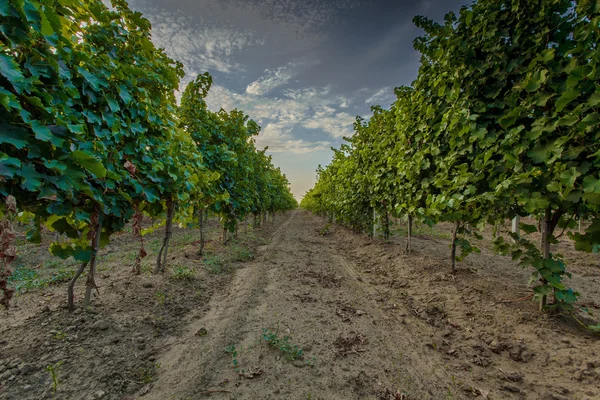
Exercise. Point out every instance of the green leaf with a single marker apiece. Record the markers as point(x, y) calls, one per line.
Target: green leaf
point(32, 180)
point(536, 81)
point(8, 100)
point(591, 184)
point(124, 94)
point(527, 228)
point(594, 99)
point(554, 187)
point(82, 254)
point(542, 290)
point(61, 250)
point(541, 152)
point(13, 134)
point(9, 165)
point(91, 78)
point(55, 165)
point(151, 196)
point(591, 119)
point(44, 134)
point(569, 177)
point(568, 120)
point(46, 27)
point(4, 8)
point(34, 234)
point(566, 98)
point(89, 162)
point(112, 103)
point(11, 71)
point(79, 128)
point(541, 98)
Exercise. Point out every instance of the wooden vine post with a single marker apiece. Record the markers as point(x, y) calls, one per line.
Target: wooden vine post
point(8, 251)
point(137, 233)
point(453, 246)
point(161, 260)
point(515, 225)
point(550, 221)
point(95, 233)
point(409, 234)
point(201, 224)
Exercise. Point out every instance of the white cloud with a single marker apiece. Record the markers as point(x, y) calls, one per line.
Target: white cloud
point(279, 139)
point(382, 94)
point(336, 124)
point(197, 43)
point(283, 119)
point(272, 79)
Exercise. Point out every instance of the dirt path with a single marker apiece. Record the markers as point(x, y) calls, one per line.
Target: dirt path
point(300, 286)
point(372, 322)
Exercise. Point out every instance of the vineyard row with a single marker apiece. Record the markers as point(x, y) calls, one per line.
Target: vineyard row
point(92, 138)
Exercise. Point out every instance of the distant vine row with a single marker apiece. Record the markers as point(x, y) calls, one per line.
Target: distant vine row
point(91, 136)
point(502, 121)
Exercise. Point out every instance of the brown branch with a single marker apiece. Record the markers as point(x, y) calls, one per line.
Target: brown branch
point(528, 297)
point(566, 226)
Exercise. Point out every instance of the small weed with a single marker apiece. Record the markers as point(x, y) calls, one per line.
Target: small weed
point(146, 268)
point(214, 264)
point(186, 238)
point(53, 370)
point(162, 298)
point(52, 264)
point(60, 335)
point(183, 273)
point(27, 279)
point(241, 254)
point(158, 323)
point(131, 256)
point(146, 374)
point(154, 245)
point(291, 351)
point(324, 231)
point(233, 351)
point(63, 274)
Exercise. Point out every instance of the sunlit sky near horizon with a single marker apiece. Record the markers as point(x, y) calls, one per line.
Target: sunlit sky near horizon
point(303, 69)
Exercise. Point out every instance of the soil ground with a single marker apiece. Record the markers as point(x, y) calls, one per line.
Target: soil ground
point(372, 323)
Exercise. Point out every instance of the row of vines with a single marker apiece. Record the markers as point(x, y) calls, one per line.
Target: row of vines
point(502, 121)
point(92, 137)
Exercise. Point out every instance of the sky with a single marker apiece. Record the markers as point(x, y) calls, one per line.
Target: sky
point(303, 69)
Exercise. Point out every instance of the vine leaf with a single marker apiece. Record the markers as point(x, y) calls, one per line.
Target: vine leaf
point(89, 162)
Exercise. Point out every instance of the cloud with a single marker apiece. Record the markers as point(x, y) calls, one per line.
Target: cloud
point(286, 121)
point(336, 124)
point(279, 139)
point(272, 79)
point(381, 95)
point(199, 44)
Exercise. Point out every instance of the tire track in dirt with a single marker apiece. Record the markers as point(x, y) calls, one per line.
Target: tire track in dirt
point(300, 285)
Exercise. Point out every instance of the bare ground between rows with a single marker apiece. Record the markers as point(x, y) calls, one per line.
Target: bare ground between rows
point(302, 286)
point(481, 321)
point(111, 352)
point(378, 324)
point(374, 323)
